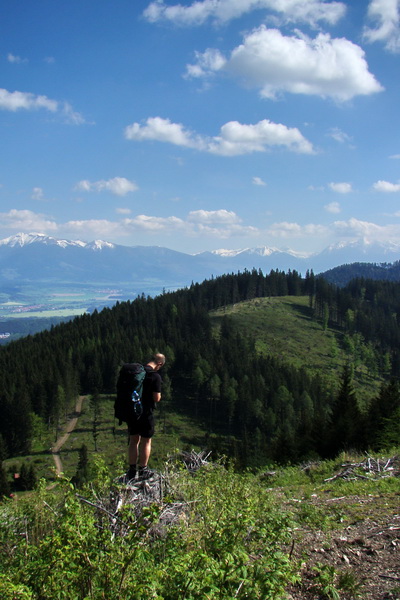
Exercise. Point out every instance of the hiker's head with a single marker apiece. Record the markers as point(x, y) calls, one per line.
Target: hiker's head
point(158, 360)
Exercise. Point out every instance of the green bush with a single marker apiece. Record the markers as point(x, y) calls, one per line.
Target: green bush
point(227, 544)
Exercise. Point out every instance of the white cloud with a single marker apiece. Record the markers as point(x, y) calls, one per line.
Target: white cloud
point(368, 231)
point(208, 62)
point(222, 224)
point(123, 211)
point(26, 220)
point(14, 101)
point(37, 193)
point(341, 188)
point(92, 227)
point(71, 116)
point(15, 59)
point(154, 224)
point(386, 16)
point(333, 207)
point(258, 181)
point(395, 156)
point(286, 230)
point(339, 136)
point(119, 186)
point(386, 186)
point(213, 216)
point(162, 130)
point(274, 63)
point(234, 139)
point(199, 11)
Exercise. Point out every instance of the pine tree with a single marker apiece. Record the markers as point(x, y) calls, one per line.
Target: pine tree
point(346, 419)
point(82, 472)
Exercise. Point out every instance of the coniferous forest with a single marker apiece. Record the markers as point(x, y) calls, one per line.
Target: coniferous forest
point(255, 407)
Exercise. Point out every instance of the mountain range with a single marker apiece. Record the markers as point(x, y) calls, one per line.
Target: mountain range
point(35, 257)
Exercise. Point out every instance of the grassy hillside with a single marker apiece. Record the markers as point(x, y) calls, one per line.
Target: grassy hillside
point(284, 326)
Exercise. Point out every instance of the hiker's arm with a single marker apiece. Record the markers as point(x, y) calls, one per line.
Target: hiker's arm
point(156, 396)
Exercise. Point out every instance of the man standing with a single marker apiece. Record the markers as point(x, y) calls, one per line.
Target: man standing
point(141, 430)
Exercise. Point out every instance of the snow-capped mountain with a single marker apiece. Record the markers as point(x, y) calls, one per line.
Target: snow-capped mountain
point(35, 257)
point(259, 251)
point(25, 239)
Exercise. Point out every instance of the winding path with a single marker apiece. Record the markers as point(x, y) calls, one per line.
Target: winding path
point(63, 438)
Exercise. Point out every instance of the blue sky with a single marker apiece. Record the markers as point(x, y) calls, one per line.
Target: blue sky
point(201, 125)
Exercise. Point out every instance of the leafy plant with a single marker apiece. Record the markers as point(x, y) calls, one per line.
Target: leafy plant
point(325, 582)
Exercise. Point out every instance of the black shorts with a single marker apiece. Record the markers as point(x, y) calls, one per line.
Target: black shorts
point(144, 426)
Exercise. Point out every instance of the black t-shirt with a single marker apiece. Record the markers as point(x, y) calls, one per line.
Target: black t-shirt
point(152, 383)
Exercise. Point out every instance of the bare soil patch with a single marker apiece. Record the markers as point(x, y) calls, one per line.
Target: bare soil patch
point(366, 549)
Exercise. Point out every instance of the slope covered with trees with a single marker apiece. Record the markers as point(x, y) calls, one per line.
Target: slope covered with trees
point(255, 407)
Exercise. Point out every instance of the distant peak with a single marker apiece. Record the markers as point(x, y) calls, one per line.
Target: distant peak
point(99, 245)
point(25, 239)
point(259, 251)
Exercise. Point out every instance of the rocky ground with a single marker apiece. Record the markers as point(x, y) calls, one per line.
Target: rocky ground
point(360, 557)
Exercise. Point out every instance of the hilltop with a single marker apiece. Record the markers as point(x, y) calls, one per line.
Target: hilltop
point(285, 327)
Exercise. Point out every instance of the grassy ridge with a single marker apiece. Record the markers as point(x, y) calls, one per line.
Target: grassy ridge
point(284, 327)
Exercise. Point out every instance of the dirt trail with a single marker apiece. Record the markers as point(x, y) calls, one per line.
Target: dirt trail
point(63, 438)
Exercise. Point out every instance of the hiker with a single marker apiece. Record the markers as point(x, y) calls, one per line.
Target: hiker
point(142, 430)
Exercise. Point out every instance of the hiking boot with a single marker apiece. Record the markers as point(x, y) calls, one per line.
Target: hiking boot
point(130, 474)
point(145, 473)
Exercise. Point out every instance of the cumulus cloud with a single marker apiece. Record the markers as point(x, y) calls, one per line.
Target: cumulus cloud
point(213, 216)
point(234, 139)
point(258, 181)
point(386, 186)
point(14, 101)
point(221, 224)
point(385, 14)
point(26, 220)
point(371, 232)
point(120, 186)
point(154, 224)
point(222, 11)
point(341, 188)
point(327, 67)
point(210, 61)
point(163, 130)
point(291, 230)
point(92, 227)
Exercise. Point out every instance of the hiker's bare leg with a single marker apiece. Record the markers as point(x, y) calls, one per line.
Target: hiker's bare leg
point(145, 449)
point(133, 449)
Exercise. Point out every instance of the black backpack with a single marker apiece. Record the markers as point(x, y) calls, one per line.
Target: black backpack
point(128, 405)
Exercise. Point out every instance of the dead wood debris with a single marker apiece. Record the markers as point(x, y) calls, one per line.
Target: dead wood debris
point(125, 508)
point(369, 468)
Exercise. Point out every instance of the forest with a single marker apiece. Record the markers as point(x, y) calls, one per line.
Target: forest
point(255, 407)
